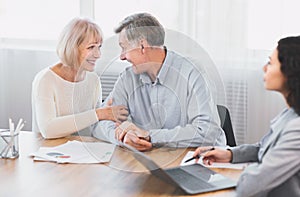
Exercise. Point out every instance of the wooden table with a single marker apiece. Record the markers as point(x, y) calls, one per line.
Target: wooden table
point(123, 176)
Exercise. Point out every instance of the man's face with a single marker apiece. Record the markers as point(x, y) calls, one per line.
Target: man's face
point(133, 53)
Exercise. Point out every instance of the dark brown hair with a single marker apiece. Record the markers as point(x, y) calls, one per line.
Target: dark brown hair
point(289, 58)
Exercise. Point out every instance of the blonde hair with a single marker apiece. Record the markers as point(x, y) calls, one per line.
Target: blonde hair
point(72, 36)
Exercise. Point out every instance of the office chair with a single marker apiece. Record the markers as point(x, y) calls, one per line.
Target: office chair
point(226, 124)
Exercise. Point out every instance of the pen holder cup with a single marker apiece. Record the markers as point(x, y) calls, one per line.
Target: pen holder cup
point(9, 144)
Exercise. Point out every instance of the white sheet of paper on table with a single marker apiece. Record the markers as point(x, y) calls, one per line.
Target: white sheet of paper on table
point(76, 152)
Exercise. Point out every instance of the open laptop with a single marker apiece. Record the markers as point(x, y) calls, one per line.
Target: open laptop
point(192, 179)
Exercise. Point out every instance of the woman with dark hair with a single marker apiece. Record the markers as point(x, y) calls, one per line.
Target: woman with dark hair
point(277, 171)
point(289, 57)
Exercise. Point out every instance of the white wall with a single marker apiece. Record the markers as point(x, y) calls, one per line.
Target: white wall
point(18, 68)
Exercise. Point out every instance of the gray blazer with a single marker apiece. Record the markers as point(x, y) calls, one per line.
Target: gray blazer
point(277, 172)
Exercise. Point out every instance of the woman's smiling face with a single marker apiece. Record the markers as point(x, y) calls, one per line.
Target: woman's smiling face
point(89, 52)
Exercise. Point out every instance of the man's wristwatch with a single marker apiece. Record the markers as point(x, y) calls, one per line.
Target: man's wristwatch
point(146, 137)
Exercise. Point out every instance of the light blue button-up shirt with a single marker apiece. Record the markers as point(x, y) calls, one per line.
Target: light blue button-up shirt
point(177, 108)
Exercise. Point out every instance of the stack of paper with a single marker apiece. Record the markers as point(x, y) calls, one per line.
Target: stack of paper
point(76, 152)
point(239, 166)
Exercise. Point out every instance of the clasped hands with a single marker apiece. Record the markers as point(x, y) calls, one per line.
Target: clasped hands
point(134, 136)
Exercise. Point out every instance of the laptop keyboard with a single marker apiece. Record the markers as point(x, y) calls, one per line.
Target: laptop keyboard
point(188, 180)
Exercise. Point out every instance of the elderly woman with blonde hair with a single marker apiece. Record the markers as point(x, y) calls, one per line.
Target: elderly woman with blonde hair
point(66, 97)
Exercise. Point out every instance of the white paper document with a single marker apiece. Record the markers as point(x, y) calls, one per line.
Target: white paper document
point(238, 166)
point(76, 152)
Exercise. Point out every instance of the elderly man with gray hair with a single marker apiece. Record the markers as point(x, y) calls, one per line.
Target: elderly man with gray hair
point(167, 97)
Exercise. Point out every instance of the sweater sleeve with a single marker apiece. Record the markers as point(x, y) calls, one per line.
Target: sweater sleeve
point(45, 111)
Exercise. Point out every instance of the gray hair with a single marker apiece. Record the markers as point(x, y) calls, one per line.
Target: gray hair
point(73, 35)
point(142, 26)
